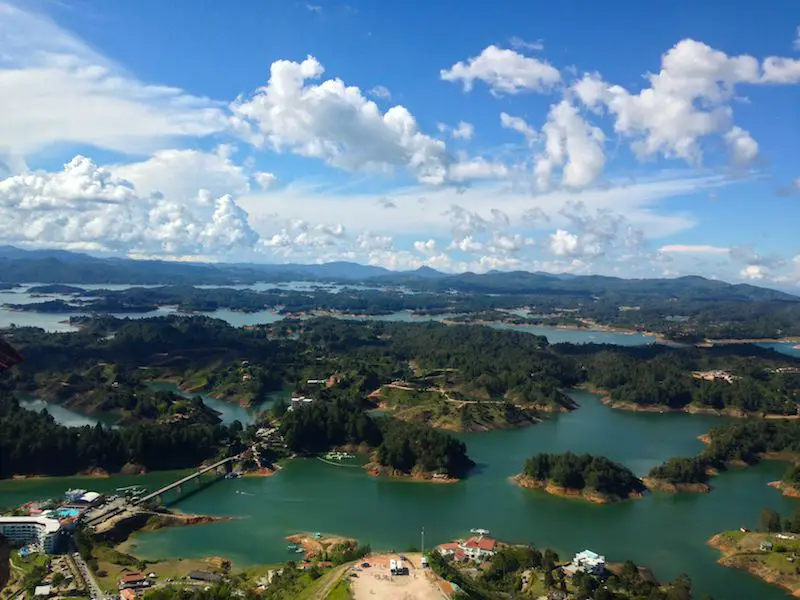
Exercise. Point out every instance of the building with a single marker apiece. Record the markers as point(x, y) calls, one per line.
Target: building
point(39, 530)
point(479, 548)
point(300, 401)
point(588, 561)
point(133, 581)
point(42, 591)
point(128, 594)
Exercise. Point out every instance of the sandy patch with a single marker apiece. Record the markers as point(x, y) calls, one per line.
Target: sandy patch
point(376, 581)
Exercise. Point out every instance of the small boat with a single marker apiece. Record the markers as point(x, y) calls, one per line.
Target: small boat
point(299, 551)
point(291, 547)
point(479, 531)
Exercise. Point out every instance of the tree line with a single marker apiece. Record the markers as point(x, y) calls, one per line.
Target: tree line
point(583, 471)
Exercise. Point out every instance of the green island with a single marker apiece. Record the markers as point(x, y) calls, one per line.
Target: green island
point(771, 553)
point(736, 444)
point(593, 478)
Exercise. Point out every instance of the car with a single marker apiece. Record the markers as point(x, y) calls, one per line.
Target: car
point(365, 565)
point(353, 574)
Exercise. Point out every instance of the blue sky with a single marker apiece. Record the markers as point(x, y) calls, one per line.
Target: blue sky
point(623, 139)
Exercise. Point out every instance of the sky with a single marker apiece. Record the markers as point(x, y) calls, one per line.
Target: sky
point(621, 138)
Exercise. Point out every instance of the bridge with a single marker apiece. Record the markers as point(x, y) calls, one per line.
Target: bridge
point(188, 478)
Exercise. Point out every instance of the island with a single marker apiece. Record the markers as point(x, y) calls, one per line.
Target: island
point(769, 553)
point(680, 475)
point(592, 478)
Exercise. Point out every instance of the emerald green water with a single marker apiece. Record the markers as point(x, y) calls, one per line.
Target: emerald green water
point(663, 531)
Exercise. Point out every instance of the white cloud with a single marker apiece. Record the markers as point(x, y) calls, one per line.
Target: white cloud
point(742, 146)
point(687, 101)
point(518, 124)
point(54, 88)
point(518, 43)
point(504, 71)
point(265, 180)
point(563, 243)
point(464, 131)
point(368, 241)
point(796, 43)
point(179, 174)
point(476, 168)
point(692, 249)
point(467, 244)
point(428, 247)
point(382, 92)
point(337, 124)
point(755, 272)
point(572, 143)
point(85, 207)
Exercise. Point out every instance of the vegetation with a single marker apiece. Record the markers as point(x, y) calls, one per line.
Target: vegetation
point(33, 443)
point(525, 571)
point(681, 471)
point(583, 472)
point(743, 379)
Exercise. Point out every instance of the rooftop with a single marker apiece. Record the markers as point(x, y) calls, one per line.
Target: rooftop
point(50, 525)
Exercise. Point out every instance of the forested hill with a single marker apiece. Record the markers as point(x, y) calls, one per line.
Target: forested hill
point(59, 266)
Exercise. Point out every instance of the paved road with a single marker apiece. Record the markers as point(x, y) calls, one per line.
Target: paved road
point(93, 588)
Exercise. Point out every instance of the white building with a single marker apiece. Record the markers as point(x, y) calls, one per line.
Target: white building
point(299, 401)
point(42, 531)
point(479, 548)
point(589, 561)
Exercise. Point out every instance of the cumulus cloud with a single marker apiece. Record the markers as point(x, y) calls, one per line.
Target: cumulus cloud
point(464, 131)
point(755, 272)
point(265, 180)
point(571, 143)
point(56, 89)
point(178, 174)
point(563, 243)
point(86, 207)
point(518, 124)
point(504, 71)
point(337, 124)
point(687, 101)
point(468, 244)
point(428, 247)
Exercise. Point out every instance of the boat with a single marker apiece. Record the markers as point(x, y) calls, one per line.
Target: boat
point(299, 551)
point(479, 531)
point(291, 547)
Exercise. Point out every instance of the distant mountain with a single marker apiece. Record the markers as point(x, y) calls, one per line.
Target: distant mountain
point(60, 266)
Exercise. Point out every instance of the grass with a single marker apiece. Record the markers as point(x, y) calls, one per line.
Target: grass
point(341, 591)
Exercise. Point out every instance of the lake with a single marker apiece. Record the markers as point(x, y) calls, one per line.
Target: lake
point(662, 531)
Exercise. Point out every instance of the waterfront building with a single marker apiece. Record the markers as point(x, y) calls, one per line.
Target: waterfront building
point(41, 531)
point(479, 548)
point(299, 401)
point(587, 561)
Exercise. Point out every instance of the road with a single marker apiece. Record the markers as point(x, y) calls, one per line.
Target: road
point(93, 588)
point(330, 580)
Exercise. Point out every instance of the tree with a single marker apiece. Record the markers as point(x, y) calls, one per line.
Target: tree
point(769, 520)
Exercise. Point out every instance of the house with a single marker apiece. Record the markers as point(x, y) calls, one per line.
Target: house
point(587, 561)
point(128, 594)
point(133, 580)
point(42, 591)
point(479, 548)
point(299, 401)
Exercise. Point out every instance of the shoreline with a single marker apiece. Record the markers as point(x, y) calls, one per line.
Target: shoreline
point(591, 496)
point(377, 470)
point(660, 485)
point(734, 557)
point(785, 489)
